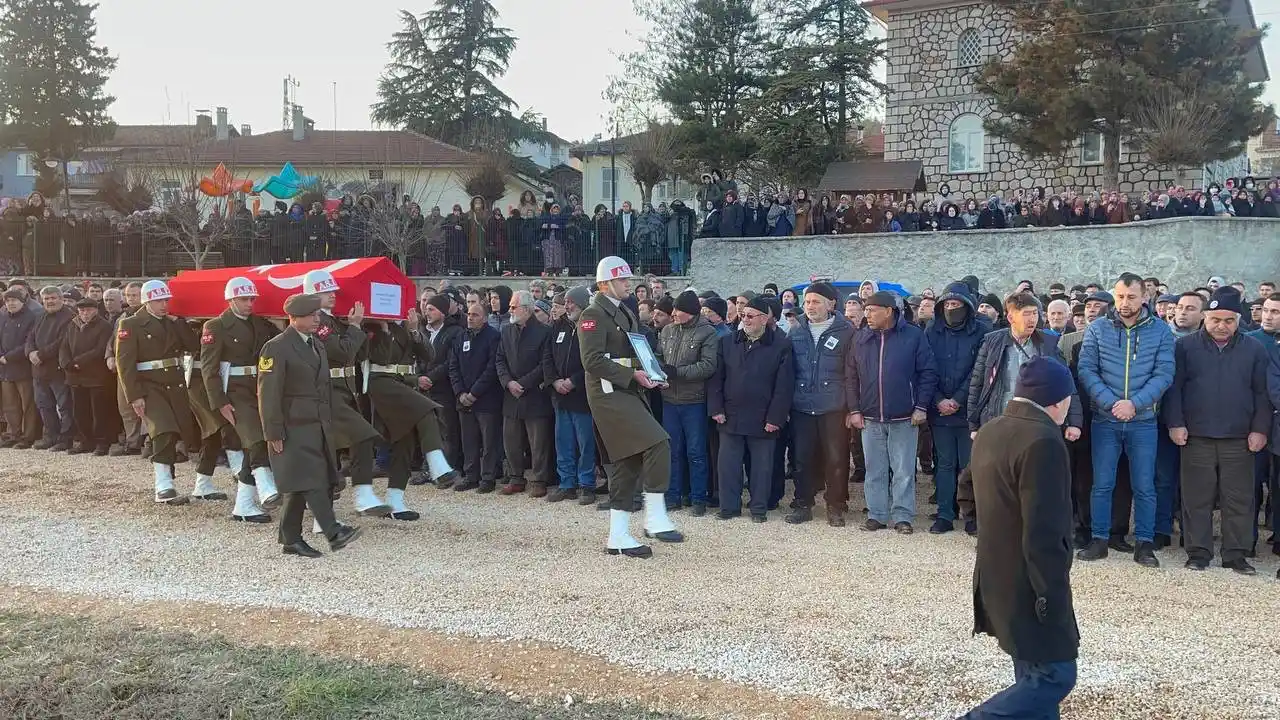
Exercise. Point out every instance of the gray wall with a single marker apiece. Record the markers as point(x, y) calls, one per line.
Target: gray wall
point(1183, 252)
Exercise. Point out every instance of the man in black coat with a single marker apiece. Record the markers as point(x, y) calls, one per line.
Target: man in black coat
point(755, 359)
point(473, 375)
point(526, 408)
point(562, 371)
point(1022, 575)
point(440, 331)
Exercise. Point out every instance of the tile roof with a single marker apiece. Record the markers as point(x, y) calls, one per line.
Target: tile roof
point(333, 147)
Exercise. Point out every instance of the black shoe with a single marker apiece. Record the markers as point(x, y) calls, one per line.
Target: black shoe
point(588, 498)
point(101, 450)
point(666, 536)
point(262, 519)
point(1145, 555)
point(728, 514)
point(343, 537)
point(971, 528)
point(1118, 543)
point(941, 527)
point(698, 509)
point(405, 515)
point(835, 518)
point(641, 552)
point(872, 525)
point(1240, 567)
point(467, 485)
point(759, 518)
point(1096, 550)
point(1162, 541)
point(302, 549)
point(799, 515)
point(448, 480)
point(485, 488)
point(903, 528)
point(562, 494)
point(1196, 564)
point(171, 497)
point(419, 478)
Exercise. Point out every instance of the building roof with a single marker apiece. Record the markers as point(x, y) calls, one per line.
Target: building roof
point(605, 147)
point(130, 137)
point(333, 147)
point(854, 176)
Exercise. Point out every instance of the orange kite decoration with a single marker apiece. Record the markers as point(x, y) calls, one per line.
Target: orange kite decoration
point(222, 184)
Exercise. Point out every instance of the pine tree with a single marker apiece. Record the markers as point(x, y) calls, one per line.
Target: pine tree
point(52, 77)
point(1095, 67)
point(440, 80)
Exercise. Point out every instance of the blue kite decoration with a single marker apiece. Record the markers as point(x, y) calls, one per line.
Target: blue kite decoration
point(287, 184)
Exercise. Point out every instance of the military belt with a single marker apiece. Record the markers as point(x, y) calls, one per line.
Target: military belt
point(242, 370)
point(625, 362)
point(342, 372)
point(159, 364)
point(195, 364)
point(392, 369)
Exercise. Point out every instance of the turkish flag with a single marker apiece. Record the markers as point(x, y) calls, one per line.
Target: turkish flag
point(386, 292)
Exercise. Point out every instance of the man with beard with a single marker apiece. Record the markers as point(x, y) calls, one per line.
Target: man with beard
point(1126, 364)
point(632, 443)
point(343, 339)
point(229, 349)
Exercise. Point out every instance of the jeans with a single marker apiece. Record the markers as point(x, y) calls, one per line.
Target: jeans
point(53, 400)
point(575, 450)
point(677, 261)
point(1167, 486)
point(1037, 691)
point(1137, 440)
point(687, 426)
point(951, 446)
point(890, 449)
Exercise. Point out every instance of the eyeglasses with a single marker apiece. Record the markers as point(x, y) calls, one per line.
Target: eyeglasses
point(752, 316)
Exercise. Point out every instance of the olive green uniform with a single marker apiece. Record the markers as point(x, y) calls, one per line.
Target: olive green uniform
point(627, 434)
point(398, 408)
point(237, 341)
point(343, 344)
point(149, 363)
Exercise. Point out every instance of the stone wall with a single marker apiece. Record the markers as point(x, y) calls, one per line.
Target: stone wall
point(1183, 252)
point(929, 87)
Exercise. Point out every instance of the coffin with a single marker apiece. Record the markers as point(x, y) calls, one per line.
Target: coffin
point(386, 292)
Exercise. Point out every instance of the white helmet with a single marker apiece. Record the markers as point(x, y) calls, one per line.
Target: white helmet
point(155, 290)
point(238, 287)
point(318, 281)
point(612, 268)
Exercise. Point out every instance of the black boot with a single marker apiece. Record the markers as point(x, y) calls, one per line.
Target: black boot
point(1096, 550)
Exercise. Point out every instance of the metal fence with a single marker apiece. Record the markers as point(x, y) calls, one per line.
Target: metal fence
point(509, 245)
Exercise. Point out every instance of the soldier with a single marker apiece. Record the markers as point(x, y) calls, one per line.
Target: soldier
point(131, 424)
point(216, 433)
point(149, 362)
point(400, 410)
point(229, 349)
point(630, 439)
point(296, 402)
point(342, 340)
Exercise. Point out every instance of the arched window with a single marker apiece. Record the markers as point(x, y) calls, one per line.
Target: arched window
point(969, 48)
point(965, 140)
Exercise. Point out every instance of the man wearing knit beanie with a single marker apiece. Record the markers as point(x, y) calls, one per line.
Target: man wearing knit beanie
point(688, 348)
point(575, 444)
point(716, 310)
point(1022, 575)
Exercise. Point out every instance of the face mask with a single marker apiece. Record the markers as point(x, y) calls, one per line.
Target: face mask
point(956, 316)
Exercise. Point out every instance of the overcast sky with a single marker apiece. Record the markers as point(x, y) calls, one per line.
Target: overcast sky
point(177, 56)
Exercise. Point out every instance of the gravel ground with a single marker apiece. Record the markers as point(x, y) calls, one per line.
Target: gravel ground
point(872, 622)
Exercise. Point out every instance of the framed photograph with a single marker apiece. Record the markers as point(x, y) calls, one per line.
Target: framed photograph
point(648, 361)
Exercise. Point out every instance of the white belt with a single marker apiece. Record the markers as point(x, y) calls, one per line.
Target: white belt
point(342, 372)
point(195, 364)
point(624, 362)
point(391, 369)
point(159, 364)
point(242, 370)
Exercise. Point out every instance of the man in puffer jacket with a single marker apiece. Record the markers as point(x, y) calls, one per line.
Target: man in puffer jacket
point(955, 336)
point(688, 349)
point(890, 379)
point(1126, 364)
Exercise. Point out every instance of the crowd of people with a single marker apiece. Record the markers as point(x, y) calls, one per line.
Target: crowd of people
point(1174, 414)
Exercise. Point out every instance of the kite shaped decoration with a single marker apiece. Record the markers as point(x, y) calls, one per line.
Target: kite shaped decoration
point(285, 185)
point(223, 184)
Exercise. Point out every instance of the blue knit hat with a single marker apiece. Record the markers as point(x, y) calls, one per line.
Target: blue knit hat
point(1044, 381)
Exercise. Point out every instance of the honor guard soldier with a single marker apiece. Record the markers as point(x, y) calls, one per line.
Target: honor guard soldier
point(343, 341)
point(229, 348)
point(631, 442)
point(296, 399)
point(400, 410)
point(149, 362)
point(216, 434)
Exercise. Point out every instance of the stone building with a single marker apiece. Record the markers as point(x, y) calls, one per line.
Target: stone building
point(934, 112)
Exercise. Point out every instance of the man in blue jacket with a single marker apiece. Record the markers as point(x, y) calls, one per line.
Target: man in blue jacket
point(1266, 464)
point(954, 336)
point(820, 339)
point(473, 374)
point(890, 378)
point(1126, 364)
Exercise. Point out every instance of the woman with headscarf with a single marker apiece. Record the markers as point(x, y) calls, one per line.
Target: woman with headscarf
point(781, 219)
point(804, 214)
point(552, 240)
point(823, 216)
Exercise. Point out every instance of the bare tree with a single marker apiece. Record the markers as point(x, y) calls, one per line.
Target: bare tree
point(488, 179)
point(389, 228)
point(1169, 120)
point(651, 157)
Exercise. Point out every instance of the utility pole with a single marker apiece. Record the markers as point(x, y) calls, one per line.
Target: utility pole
point(613, 169)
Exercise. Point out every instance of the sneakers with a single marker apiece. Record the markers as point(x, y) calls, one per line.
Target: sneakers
point(941, 527)
point(1096, 550)
point(1145, 555)
point(1240, 567)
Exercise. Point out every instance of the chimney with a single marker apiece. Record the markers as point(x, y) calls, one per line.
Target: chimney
point(204, 124)
point(223, 130)
point(544, 124)
point(246, 130)
point(299, 124)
